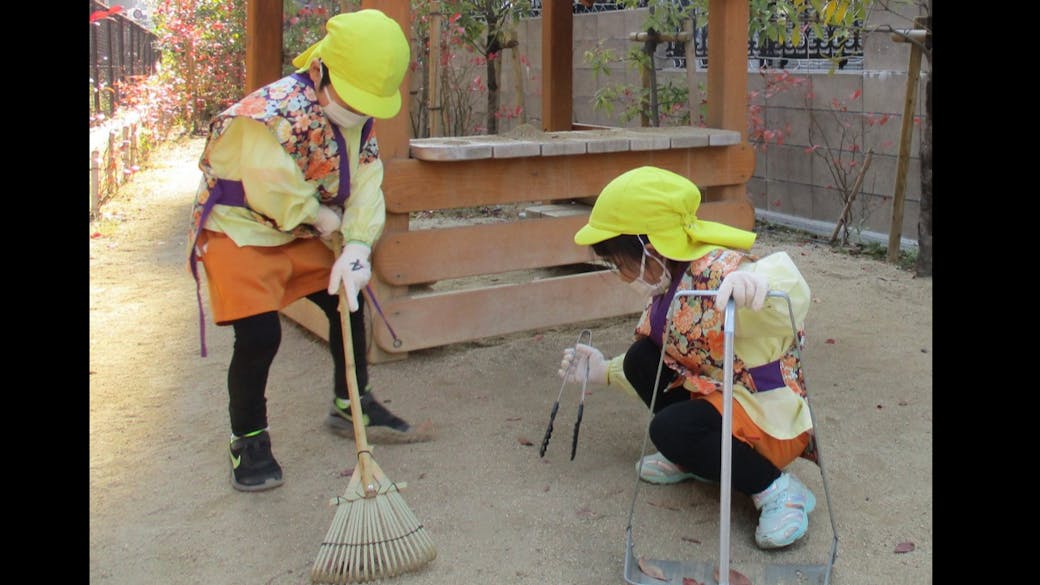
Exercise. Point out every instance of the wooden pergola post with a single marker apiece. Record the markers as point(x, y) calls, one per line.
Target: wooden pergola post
point(727, 96)
point(557, 65)
point(263, 43)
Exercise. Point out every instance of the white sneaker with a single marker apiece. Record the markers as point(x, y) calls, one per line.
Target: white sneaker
point(785, 507)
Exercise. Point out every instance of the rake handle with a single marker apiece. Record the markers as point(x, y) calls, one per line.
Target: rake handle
point(364, 453)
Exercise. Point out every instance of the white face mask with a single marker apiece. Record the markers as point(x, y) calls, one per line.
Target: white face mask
point(646, 289)
point(341, 116)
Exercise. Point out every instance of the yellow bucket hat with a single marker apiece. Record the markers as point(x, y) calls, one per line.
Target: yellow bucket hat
point(663, 205)
point(367, 55)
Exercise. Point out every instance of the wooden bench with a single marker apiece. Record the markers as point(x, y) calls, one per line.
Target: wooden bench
point(555, 168)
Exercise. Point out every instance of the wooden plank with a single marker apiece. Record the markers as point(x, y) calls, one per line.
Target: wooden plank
point(414, 185)
point(557, 65)
point(606, 139)
point(452, 317)
point(415, 257)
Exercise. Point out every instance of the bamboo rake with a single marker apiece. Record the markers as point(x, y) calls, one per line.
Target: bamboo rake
point(374, 533)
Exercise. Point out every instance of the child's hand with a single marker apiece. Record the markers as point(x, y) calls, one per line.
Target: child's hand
point(575, 361)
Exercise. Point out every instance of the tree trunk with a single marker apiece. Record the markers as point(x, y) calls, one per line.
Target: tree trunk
point(494, 57)
point(923, 266)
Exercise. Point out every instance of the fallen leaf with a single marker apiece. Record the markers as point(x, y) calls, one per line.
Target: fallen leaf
point(651, 569)
point(904, 547)
point(735, 577)
point(690, 539)
point(665, 506)
point(879, 407)
point(830, 340)
point(546, 488)
point(903, 403)
point(524, 441)
point(514, 418)
point(347, 472)
point(690, 581)
point(585, 512)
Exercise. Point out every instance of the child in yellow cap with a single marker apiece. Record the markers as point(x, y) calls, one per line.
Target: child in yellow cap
point(644, 223)
point(284, 169)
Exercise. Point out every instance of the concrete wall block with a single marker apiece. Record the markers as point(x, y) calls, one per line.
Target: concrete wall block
point(838, 87)
point(634, 21)
point(826, 204)
point(839, 130)
point(586, 28)
point(881, 178)
point(758, 192)
point(790, 163)
point(756, 90)
point(585, 84)
point(783, 91)
point(881, 53)
point(761, 162)
point(794, 124)
point(874, 213)
point(790, 198)
point(884, 138)
point(885, 91)
point(610, 27)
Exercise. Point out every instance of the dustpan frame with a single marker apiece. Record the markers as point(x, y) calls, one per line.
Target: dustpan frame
point(726, 461)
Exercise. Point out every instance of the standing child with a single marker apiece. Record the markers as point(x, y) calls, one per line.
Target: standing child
point(285, 169)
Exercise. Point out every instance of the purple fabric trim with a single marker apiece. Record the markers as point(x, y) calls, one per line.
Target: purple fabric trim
point(224, 192)
point(659, 307)
point(767, 377)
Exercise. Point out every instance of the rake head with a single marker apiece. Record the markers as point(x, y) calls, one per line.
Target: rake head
point(374, 535)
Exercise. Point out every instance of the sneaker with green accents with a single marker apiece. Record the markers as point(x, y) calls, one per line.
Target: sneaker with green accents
point(374, 414)
point(253, 467)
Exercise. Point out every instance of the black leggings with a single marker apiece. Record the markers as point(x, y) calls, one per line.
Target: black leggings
point(687, 431)
point(256, 343)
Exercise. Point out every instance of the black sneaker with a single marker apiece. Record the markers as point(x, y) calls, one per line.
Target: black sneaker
point(373, 414)
point(253, 467)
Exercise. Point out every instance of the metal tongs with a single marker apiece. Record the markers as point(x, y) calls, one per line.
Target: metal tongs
point(581, 402)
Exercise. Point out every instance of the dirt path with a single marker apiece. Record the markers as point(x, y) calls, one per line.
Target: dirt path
point(162, 509)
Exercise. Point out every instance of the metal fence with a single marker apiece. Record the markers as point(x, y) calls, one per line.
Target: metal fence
point(811, 53)
point(119, 49)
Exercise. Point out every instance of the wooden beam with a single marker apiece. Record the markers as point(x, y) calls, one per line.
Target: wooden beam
point(557, 65)
point(415, 185)
point(263, 43)
point(421, 256)
point(435, 319)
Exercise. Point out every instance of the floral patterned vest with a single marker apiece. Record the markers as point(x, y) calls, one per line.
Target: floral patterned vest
point(290, 110)
point(695, 342)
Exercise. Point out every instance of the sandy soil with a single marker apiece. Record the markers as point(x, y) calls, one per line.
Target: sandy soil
point(162, 509)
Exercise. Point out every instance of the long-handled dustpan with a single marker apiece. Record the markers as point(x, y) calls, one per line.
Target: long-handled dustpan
point(710, 572)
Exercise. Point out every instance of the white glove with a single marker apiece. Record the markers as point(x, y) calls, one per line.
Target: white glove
point(748, 289)
point(328, 221)
point(353, 270)
point(581, 355)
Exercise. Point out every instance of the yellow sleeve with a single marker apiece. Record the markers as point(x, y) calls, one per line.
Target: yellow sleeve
point(275, 187)
point(365, 212)
point(616, 376)
point(762, 336)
